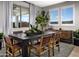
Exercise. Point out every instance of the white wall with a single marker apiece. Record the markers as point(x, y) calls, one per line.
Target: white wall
point(1, 16)
point(33, 12)
point(76, 14)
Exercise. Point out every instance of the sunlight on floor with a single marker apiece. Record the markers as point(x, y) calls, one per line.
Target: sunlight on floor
point(75, 52)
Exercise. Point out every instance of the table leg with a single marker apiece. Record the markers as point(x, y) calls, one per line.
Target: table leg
point(25, 49)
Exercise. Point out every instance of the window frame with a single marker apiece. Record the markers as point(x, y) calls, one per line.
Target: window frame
point(64, 7)
point(57, 16)
point(20, 4)
point(22, 14)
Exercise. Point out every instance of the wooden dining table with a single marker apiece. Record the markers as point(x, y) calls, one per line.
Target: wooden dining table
point(22, 37)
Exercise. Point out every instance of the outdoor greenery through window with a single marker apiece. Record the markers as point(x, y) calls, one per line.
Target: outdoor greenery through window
point(20, 16)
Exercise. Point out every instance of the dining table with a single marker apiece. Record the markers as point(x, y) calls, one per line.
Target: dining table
point(24, 39)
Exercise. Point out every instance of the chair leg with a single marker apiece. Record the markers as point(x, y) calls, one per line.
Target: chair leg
point(38, 54)
point(29, 51)
point(20, 52)
point(53, 50)
point(6, 53)
point(48, 52)
point(58, 48)
point(13, 55)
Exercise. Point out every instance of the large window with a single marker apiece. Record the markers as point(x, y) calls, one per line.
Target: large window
point(62, 15)
point(20, 16)
point(54, 16)
point(16, 16)
point(24, 17)
point(67, 15)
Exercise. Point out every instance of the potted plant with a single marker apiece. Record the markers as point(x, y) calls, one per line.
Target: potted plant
point(33, 31)
point(42, 20)
point(1, 36)
point(76, 37)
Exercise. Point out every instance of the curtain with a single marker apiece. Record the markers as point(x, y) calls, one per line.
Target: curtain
point(7, 12)
point(32, 14)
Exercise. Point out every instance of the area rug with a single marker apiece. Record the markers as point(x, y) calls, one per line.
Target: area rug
point(65, 50)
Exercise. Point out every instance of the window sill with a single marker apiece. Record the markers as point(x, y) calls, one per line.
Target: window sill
point(53, 24)
point(67, 24)
point(20, 29)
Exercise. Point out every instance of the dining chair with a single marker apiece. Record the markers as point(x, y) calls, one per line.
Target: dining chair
point(11, 48)
point(17, 32)
point(41, 47)
point(55, 41)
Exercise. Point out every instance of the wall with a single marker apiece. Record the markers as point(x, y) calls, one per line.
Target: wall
point(33, 13)
point(1, 16)
point(76, 26)
point(77, 14)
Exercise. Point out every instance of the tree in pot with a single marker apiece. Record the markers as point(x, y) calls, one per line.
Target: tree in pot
point(76, 33)
point(42, 20)
point(76, 37)
point(1, 36)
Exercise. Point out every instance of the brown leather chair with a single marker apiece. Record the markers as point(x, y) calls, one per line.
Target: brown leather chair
point(55, 41)
point(42, 46)
point(11, 48)
point(16, 32)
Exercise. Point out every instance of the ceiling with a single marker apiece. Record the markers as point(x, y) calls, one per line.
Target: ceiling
point(44, 3)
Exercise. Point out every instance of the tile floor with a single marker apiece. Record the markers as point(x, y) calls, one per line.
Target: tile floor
point(75, 52)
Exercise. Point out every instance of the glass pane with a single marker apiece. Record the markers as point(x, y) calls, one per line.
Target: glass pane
point(53, 16)
point(24, 17)
point(67, 15)
point(16, 16)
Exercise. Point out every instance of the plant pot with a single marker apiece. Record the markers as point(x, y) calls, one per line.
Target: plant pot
point(31, 34)
point(76, 41)
point(0, 45)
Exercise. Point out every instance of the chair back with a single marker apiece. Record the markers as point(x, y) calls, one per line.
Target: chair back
point(8, 40)
point(45, 40)
point(16, 32)
point(56, 36)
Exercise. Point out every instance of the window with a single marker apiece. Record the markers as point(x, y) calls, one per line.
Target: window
point(67, 15)
point(24, 17)
point(62, 16)
point(54, 16)
point(20, 16)
point(16, 16)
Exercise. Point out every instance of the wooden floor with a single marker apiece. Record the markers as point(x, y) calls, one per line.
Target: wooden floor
point(75, 52)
